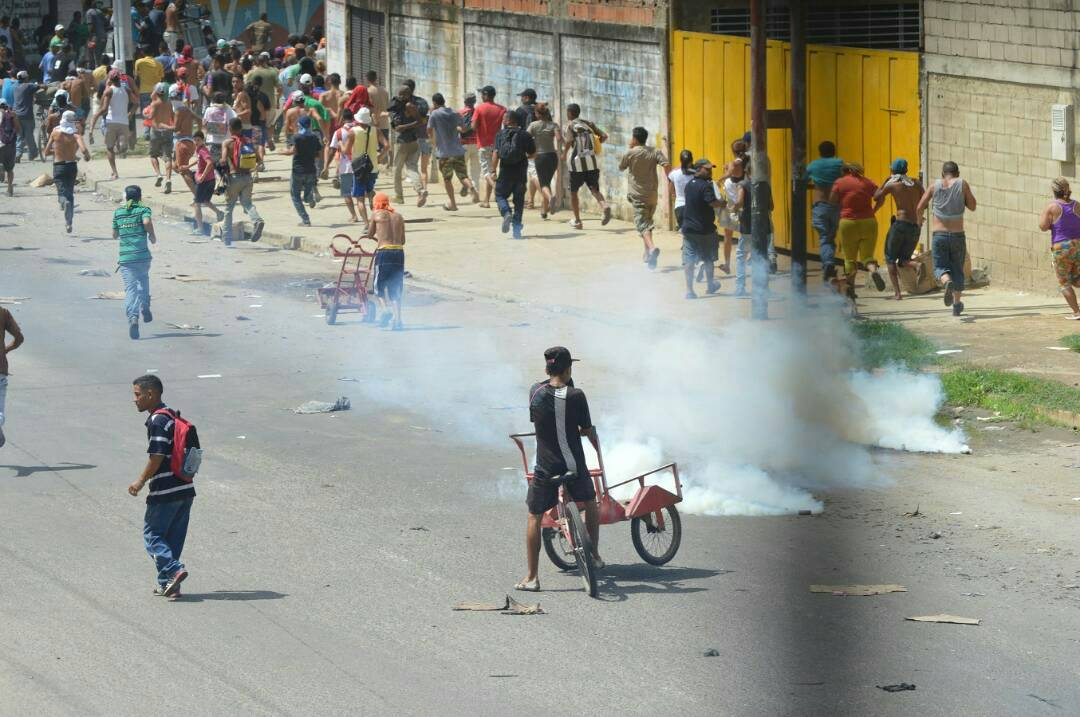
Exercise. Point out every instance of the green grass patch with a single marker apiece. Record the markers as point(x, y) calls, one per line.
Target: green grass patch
point(1071, 341)
point(1018, 398)
point(886, 342)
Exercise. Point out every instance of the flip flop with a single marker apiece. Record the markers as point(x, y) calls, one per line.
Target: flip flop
point(1074, 317)
point(449, 208)
point(533, 587)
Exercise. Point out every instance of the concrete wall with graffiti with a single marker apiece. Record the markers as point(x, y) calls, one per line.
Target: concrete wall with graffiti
point(231, 17)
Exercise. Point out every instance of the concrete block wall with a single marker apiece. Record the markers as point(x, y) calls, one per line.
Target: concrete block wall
point(992, 71)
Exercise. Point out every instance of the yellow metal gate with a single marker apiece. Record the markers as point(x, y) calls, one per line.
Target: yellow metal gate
point(866, 101)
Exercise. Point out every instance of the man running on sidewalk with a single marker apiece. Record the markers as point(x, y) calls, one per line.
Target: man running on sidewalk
point(700, 242)
point(8, 325)
point(117, 106)
point(132, 226)
point(445, 127)
point(305, 151)
point(487, 122)
point(64, 146)
point(904, 231)
point(825, 216)
point(950, 197)
point(239, 186)
point(640, 164)
point(168, 502)
point(513, 149)
point(560, 416)
point(162, 124)
point(580, 137)
point(407, 123)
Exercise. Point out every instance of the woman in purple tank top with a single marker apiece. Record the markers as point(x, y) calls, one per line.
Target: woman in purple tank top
point(1062, 219)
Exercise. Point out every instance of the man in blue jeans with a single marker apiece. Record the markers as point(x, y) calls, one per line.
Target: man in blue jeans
point(132, 226)
point(306, 150)
point(24, 110)
point(168, 503)
point(513, 149)
point(825, 216)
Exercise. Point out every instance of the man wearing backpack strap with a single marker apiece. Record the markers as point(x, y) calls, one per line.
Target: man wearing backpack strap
point(581, 137)
point(513, 148)
point(237, 151)
point(168, 503)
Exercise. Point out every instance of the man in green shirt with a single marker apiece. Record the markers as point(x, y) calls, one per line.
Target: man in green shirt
point(132, 226)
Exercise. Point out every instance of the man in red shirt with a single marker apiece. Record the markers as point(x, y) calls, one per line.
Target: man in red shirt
point(468, 139)
point(487, 121)
point(858, 231)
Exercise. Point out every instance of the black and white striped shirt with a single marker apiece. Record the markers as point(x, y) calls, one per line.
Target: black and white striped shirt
point(558, 416)
point(164, 486)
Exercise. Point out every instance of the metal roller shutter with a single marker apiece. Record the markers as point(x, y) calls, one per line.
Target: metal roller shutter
point(367, 43)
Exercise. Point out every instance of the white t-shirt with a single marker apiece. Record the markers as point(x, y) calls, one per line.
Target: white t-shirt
point(344, 162)
point(680, 179)
point(216, 121)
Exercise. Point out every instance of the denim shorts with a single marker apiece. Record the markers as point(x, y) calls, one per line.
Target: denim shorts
point(949, 250)
point(362, 189)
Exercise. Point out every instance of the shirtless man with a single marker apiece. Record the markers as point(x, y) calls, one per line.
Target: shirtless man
point(183, 140)
point(172, 22)
point(78, 97)
point(904, 231)
point(950, 196)
point(292, 119)
point(387, 227)
point(162, 124)
point(332, 100)
point(242, 105)
point(8, 325)
point(65, 143)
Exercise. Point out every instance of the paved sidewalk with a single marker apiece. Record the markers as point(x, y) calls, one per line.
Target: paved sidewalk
point(598, 271)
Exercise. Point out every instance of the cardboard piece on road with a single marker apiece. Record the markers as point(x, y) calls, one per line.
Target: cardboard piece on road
point(953, 619)
point(13, 299)
point(43, 180)
point(857, 589)
point(509, 606)
point(94, 272)
point(109, 295)
point(186, 327)
point(342, 404)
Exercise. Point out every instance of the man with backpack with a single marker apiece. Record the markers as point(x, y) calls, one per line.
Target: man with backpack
point(513, 147)
point(170, 472)
point(584, 164)
point(240, 159)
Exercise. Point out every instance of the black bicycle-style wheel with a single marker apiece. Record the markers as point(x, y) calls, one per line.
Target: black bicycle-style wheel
point(582, 549)
point(657, 546)
point(559, 550)
point(332, 309)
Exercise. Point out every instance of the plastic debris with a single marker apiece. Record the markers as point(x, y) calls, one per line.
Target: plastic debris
point(711, 652)
point(13, 299)
point(858, 589)
point(109, 295)
point(952, 619)
point(509, 606)
point(209, 375)
point(342, 404)
point(93, 272)
point(241, 317)
point(185, 277)
point(186, 327)
point(902, 687)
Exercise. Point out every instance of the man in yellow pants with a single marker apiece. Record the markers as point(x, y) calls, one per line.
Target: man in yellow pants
point(858, 231)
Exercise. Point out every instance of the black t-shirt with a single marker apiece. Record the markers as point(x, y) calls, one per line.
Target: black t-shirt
point(307, 147)
point(558, 415)
point(512, 174)
point(699, 217)
point(258, 100)
point(220, 81)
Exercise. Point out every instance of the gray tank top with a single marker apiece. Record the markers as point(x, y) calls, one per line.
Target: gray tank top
point(949, 201)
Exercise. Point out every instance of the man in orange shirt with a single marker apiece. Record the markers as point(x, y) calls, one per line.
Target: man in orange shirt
point(854, 193)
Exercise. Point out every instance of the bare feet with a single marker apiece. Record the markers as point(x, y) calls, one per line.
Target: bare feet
point(895, 297)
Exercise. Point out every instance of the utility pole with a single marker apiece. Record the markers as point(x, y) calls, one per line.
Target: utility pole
point(798, 146)
point(759, 165)
point(123, 47)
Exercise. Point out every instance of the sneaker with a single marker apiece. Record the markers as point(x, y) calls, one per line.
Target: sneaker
point(653, 255)
point(574, 223)
point(147, 317)
point(507, 220)
point(318, 197)
point(773, 268)
point(517, 231)
point(598, 562)
point(713, 288)
point(879, 283)
point(421, 199)
point(691, 295)
point(607, 217)
point(385, 319)
point(335, 182)
point(311, 203)
point(133, 329)
point(168, 187)
point(830, 273)
point(174, 584)
point(741, 294)
point(160, 592)
point(257, 233)
point(305, 223)
point(948, 298)
point(958, 308)
point(158, 182)
point(68, 228)
point(464, 191)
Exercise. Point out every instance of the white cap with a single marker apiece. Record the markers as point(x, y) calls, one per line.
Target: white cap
point(305, 79)
point(175, 92)
point(364, 116)
point(297, 95)
point(58, 28)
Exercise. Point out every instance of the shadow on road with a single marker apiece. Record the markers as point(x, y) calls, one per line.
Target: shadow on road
point(23, 471)
point(622, 581)
point(239, 595)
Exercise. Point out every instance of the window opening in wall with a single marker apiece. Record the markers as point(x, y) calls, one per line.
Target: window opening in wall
point(893, 26)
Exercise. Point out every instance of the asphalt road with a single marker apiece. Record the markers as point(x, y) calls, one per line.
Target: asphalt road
point(326, 550)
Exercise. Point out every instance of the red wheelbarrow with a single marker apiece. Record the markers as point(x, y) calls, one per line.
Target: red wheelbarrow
point(352, 290)
point(655, 527)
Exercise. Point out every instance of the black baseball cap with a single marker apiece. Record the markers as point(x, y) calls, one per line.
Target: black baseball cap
point(133, 193)
point(487, 90)
point(703, 163)
point(528, 92)
point(558, 359)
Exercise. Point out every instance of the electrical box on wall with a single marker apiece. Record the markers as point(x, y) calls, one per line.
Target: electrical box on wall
point(1061, 133)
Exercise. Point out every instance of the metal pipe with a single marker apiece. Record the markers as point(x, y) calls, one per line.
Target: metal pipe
point(799, 184)
point(759, 173)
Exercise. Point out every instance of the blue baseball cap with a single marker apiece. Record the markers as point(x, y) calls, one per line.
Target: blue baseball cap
point(898, 166)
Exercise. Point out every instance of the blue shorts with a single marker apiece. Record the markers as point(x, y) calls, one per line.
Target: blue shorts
point(949, 250)
point(362, 189)
point(346, 181)
point(389, 273)
point(258, 136)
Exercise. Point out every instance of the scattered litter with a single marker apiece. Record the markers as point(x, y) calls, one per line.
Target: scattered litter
point(252, 296)
point(935, 535)
point(151, 370)
point(13, 299)
point(1052, 703)
point(996, 417)
point(109, 295)
point(209, 375)
point(420, 527)
point(711, 652)
point(93, 272)
point(510, 606)
point(1076, 498)
point(957, 513)
point(242, 437)
point(42, 180)
point(349, 378)
point(913, 514)
point(255, 306)
point(857, 589)
point(509, 468)
point(973, 594)
point(198, 241)
point(952, 619)
point(241, 317)
point(945, 352)
point(902, 687)
point(185, 327)
point(424, 428)
point(342, 404)
point(1059, 348)
point(185, 277)
point(806, 512)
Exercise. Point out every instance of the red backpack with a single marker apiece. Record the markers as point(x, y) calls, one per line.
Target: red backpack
point(186, 451)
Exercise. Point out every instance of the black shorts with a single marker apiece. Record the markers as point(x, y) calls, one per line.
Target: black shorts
point(591, 179)
point(389, 273)
point(543, 495)
point(678, 217)
point(900, 242)
point(546, 164)
point(204, 192)
point(7, 157)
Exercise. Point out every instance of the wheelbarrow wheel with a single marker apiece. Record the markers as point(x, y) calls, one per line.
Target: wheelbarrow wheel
point(332, 309)
point(559, 550)
point(657, 546)
point(583, 550)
